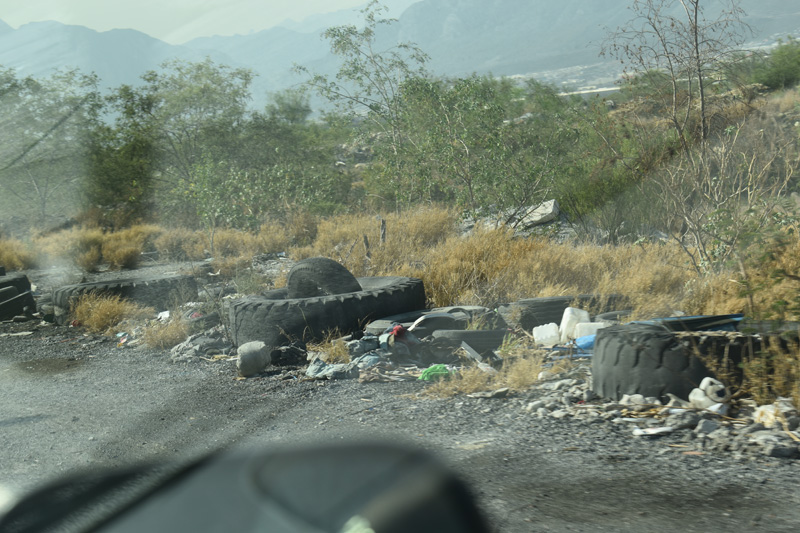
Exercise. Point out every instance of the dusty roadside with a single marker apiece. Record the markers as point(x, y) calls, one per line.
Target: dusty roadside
point(70, 401)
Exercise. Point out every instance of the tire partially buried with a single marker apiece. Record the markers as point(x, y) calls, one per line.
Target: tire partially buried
point(651, 360)
point(277, 321)
point(156, 291)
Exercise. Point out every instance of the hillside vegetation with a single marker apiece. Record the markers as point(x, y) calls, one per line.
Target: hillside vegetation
point(691, 189)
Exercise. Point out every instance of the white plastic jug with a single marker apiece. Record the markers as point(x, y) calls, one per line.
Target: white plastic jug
point(583, 329)
point(572, 316)
point(546, 334)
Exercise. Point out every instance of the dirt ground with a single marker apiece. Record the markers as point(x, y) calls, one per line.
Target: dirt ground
point(70, 401)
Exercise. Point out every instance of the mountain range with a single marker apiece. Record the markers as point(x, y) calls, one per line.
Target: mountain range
point(500, 37)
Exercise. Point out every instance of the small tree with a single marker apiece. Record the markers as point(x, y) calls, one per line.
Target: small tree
point(679, 40)
point(369, 81)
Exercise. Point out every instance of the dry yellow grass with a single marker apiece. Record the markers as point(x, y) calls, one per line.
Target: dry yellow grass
point(333, 347)
point(15, 255)
point(233, 243)
point(80, 246)
point(124, 248)
point(100, 313)
point(521, 368)
point(179, 244)
point(230, 267)
point(165, 335)
point(272, 237)
point(409, 236)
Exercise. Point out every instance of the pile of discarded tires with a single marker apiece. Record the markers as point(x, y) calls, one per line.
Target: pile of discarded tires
point(16, 297)
point(321, 297)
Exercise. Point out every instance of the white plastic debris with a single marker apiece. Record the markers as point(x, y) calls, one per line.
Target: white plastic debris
point(674, 401)
point(546, 334)
point(709, 393)
point(652, 432)
point(719, 409)
point(163, 316)
point(583, 329)
point(572, 316)
point(771, 415)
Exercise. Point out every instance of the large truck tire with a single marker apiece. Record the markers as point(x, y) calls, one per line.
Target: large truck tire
point(279, 321)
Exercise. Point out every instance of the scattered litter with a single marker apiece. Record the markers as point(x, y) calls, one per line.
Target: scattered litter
point(652, 432)
point(771, 415)
point(319, 369)
point(122, 339)
point(19, 334)
point(163, 316)
point(386, 373)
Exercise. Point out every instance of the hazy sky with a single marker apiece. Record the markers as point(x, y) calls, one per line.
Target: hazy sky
point(174, 21)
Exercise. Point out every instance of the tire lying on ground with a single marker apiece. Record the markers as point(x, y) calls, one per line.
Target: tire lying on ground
point(278, 321)
point(481, 340)
point(319, 276)
point(531, 312)
point(650, 360)
point(157, 291)
point(17, 304)
point(20, 281)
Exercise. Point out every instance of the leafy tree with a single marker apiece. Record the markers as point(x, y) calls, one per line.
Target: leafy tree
point(782, 68)
point(43, 138)
point(124, 160)
point(369, 81)
point(165, 130)
point(290, 105)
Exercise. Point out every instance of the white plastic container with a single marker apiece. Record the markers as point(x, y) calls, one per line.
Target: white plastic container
point(572, 316)
point(583, 329)
point(546, 335)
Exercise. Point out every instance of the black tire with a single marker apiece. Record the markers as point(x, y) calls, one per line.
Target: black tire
point(481, 340)
point(8, 292)
point(276, 294)
point(158, 292)
point(17, 305)
point(319, 276)
point(279, 321)
point(650, 360)
point(20, 281)
point(531, 312)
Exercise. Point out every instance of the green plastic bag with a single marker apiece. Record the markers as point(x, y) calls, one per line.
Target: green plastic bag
point(435, 373)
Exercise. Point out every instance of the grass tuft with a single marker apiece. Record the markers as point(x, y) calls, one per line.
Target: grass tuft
point(100, 313)
point(15, 255)
point(165, 335)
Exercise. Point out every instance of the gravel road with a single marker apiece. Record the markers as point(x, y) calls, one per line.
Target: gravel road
point(71, 401)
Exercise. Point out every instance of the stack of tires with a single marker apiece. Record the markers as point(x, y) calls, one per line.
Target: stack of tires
point(16, 297)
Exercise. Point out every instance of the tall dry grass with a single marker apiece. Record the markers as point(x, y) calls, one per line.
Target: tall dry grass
point(100, 313)
point(16, 255)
